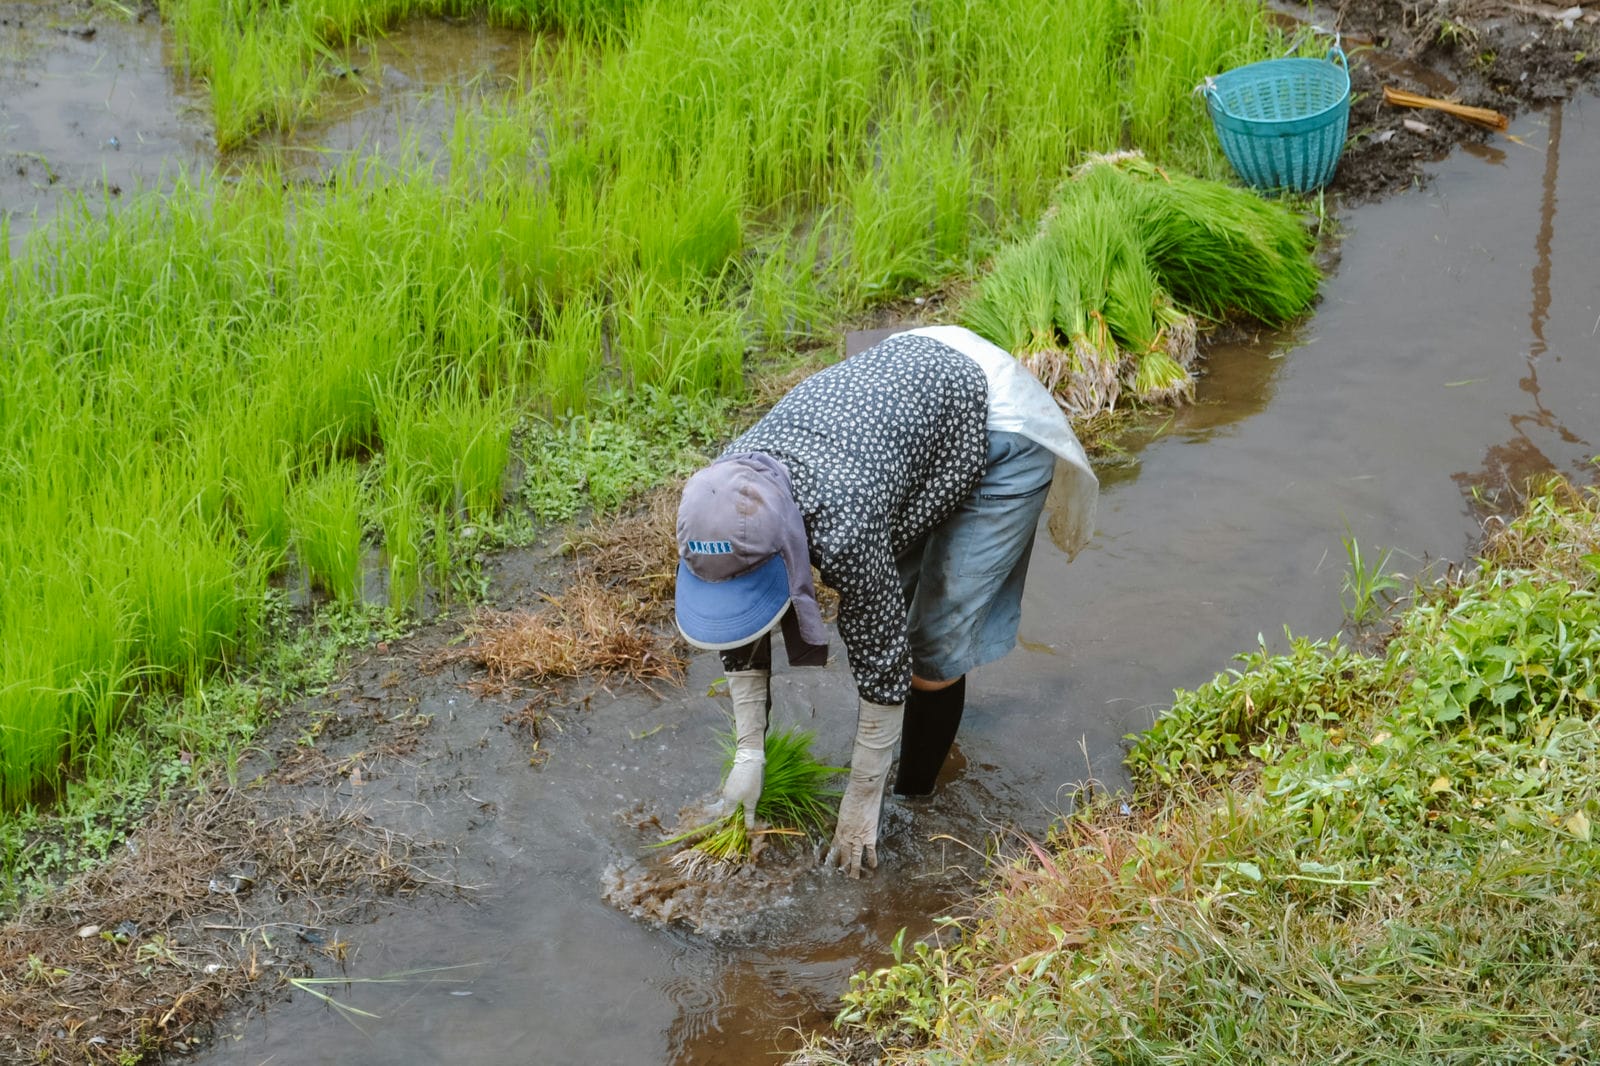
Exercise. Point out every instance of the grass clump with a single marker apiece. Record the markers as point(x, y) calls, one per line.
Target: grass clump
point(1329, 856)
point(796, 800)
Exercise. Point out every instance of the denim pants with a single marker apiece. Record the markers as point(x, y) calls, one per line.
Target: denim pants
point(963, 582)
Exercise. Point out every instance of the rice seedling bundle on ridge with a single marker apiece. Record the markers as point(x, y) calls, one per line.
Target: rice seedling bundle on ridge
point(1106, 297)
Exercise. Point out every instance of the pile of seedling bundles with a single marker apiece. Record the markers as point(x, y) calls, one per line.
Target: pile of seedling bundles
point(1106, 299)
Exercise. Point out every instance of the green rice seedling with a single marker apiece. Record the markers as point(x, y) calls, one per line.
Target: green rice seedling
point(569, 354)
point(890, 235)
point(1130, 296)
point(483, 427)
point(1158, 378)
point(683, 336)
point(789, 298)
point(795, 801)
point(1179, 332)
point(1039, 276)
point(1134, 309)
point(910, 200)
point(685, 216)
point(1015, 304)
point(795, 789)
point(65, 676)
point(185, 590)
point(1220, 250)
point(400, 516)
point(326, 519)
point(35, 720)
point(1032, 128)
point(952, 172)
point(770, 278)
point(258, 488)
point(513, 237)
point(450, 449)
point(442, 524)
point(177, 573)
point(989, 316)
point(1092, 239)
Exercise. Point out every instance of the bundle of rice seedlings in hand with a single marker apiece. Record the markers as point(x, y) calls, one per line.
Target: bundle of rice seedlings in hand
point(796, 801)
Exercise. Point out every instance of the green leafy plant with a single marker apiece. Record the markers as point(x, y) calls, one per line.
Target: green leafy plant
point(1368, 585)
point(327, 518)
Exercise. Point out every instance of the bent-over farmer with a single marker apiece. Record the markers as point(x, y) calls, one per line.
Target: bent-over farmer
point(913, 476)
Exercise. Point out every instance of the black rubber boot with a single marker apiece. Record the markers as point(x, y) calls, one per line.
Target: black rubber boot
point(929, 728)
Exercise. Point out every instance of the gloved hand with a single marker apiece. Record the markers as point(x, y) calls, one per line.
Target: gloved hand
point(877, 732)
point(750, 702)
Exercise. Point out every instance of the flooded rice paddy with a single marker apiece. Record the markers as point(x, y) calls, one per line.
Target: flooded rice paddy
point(1454, 353)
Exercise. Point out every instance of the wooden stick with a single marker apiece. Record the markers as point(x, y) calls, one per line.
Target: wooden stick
point(1483, 116)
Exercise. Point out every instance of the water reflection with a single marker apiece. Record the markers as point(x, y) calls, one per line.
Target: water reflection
point(1237, 381)
point(1509, 466)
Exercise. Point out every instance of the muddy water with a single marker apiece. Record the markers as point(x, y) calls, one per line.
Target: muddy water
point(88, 107)
point(97, 106)
point(1454, 351)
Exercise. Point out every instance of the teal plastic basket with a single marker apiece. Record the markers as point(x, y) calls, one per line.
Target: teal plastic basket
point(1282, 122)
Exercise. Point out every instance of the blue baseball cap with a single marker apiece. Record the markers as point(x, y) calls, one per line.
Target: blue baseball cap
point(743, 560)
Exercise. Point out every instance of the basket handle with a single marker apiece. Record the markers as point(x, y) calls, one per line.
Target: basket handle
point(1208, 88)
point(1335, 50)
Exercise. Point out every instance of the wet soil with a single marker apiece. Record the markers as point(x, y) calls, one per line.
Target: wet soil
point(1485, 54)
point(1452, 355)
